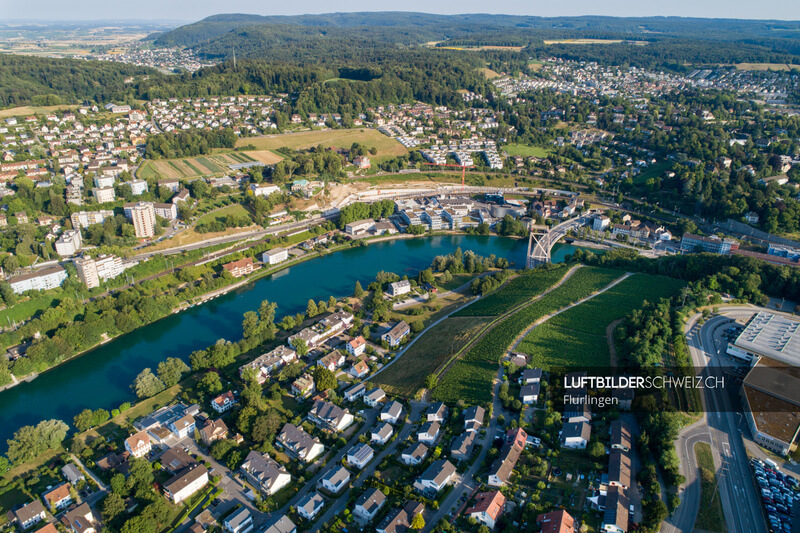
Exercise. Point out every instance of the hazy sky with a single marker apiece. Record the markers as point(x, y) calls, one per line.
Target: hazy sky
point(192, 10)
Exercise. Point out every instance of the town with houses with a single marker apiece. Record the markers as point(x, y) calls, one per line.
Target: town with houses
point(294, 432)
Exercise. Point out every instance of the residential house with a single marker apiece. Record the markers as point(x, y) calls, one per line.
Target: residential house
point(619, 469)
point(368, 504)
point(335, 479)
point(183, 427)
point(72, 474)
point(382, 433)
point(461, 449)
point(530, 376)
point(374, 397)
point(30, 514)
point(356, 346)
point(615, 516)
point(58, 497)
point(310, 505)
point(395, 335)
point(392, 412)
point(303, 387)
point(355, 392)
point(503, 466)
point(281, 525)
point(435, 477)
point(399, 288)
point(577, 412)
point(175, 459)
point(266, 364)
point(359, 369)
point(40, 280)
point(399, 520)
point(239, 522)
point(224, 402)
point(299, 444)
point(332, 361)
point(240, 268)
point(529, 394)
point(81, 519)
point(330, 416)
point(575, 435)
point(487, 508)
point(428, 433)
point(473, 415)
point(138, 445)
point(360, 455)
point(621, 437)
point(187, 483)
point(414, 454)
point(437, 412)
point(265, 473)
point(212, 431)
point(557, 522)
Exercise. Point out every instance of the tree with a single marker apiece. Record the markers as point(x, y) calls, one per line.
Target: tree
point(311, 309)
point(113, 507)
point(426, 276)
point(147, 384)
point(301, 347)
point(324, 379)
point(171, 371)
point(596, 450)
point(431, 381)
point(266, 425)
point(358, 292)
point(418, 522)
point(331, 303)
point(211, 383)
point(655, 511)
point(31, 441)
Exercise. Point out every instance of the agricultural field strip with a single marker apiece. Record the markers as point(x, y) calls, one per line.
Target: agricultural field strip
point(517, 291)
point(470, 377)
point(505, 288)
point(580, 330)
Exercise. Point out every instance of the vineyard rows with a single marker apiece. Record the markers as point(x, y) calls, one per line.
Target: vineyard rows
point(471, 377)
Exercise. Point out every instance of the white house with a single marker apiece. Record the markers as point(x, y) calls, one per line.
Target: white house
point(382, 433)
point(368, 504)
point(265, 473)
point(183, 486)
point(374, 397)
point(40, 280)
point(310, 505)
point(435, 477)
point(360, 455)
point(399, 287)
point(138, 445)
point(428, 433)
point(335, 480)
point(183, 427)
point(529, 394)
point(262, 189)
point(275, 256)
point(223, 402)
point(392, 412)
point(239, 522)
point(414, 454)
point(356, 346)
point(575, 435)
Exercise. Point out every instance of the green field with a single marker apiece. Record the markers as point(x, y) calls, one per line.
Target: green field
point(531, 283)
point(655, 171)
point(470, 378)
point(577, 337)
point(428, 354)
point(709, 516)
point(24, 310)
point(386, 146)
point(527, 151)
point(204, 161)
point(235, 209)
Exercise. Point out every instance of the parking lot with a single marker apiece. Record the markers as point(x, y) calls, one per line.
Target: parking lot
point(780, 495)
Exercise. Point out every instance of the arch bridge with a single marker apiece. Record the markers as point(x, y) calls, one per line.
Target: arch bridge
point(542, 239)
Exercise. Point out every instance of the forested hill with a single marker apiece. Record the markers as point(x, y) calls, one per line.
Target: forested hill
point(45, 81)
point(347, 36)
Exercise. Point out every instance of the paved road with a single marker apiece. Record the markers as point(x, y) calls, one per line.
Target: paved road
point(724, 426)
point(467, 483)
point(341, 502)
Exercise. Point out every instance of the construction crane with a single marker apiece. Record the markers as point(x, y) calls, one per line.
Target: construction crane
point(462, 167)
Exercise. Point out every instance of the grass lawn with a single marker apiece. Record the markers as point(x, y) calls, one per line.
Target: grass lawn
point(24, 310)
point(235, 209)
point(526, 151)
point(386, 146)
point(10, 499)
point(34, 110)
point(709, 516)
point(550, 346)
point(654, 171)
point(457, 281)
point(428, 354)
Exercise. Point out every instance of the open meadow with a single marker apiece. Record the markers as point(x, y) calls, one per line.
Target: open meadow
point(386, 146)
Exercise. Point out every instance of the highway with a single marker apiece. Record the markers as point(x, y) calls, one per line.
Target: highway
point(722, 427)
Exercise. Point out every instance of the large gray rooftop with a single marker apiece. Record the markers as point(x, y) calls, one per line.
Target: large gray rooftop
point(773, 336)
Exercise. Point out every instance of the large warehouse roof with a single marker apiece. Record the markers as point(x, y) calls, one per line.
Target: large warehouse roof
point(773, 336)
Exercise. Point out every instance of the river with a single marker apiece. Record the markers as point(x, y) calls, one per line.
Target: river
point(102, 377)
